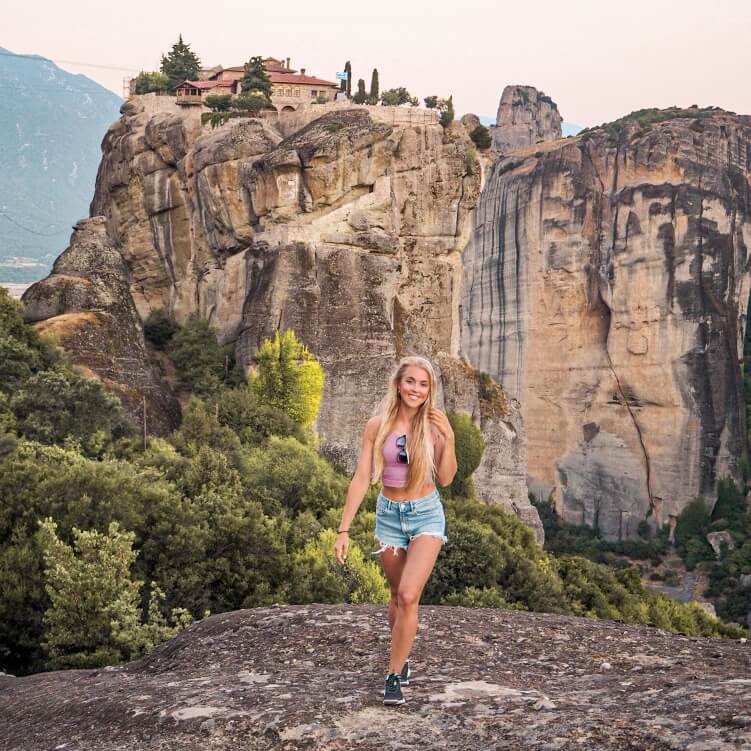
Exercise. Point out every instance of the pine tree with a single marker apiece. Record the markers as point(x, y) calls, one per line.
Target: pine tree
point(362, 96)
point(348, 82)
point(255, 80)
point(374, 92)
point(180, 64)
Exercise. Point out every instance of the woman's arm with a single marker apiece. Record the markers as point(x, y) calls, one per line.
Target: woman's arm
point(359, 484)
point(445, 464)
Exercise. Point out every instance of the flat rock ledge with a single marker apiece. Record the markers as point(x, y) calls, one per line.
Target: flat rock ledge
point(310, 677)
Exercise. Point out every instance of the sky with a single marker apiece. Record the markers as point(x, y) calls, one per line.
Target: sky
point(598, 59)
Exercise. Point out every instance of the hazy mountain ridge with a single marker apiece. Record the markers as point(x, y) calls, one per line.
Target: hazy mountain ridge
point(52, 123)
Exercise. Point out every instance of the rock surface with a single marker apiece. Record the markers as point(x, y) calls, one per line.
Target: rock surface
point(85, 305)
point(525, 116)
point(606, 286)
point(347, 227)
point(292, 677)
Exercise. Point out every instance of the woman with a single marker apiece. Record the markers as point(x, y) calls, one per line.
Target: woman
point(408, 445)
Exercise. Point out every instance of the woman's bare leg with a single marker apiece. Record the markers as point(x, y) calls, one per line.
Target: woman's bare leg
point(421, 558)
point(393, 565)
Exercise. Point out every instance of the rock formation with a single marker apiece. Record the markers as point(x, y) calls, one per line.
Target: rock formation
point(85, 304)
point(606, 285)
point(292, 677)
point(346, 227)
point(525, 116)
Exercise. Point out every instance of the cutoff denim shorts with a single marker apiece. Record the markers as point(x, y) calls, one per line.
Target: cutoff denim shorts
point(398, 522)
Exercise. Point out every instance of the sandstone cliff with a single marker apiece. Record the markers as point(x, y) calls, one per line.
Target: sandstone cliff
point(345, 224)
point(606, 285)
point(294, 677)
point(525, 117)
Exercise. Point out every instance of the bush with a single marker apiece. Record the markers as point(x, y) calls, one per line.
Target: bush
point(481, 137)
point(159, 329)
point(470, 445)
point(252, 101)
point(288, 378)
point(199, 360)
point(397, 97)
point(152, 81)
point(218, 102)
point(446, 106)
point(58, 405)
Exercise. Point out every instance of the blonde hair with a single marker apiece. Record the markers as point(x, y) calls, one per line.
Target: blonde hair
point(421, 466)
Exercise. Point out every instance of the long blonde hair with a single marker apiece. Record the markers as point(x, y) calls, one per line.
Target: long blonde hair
point(421, 468)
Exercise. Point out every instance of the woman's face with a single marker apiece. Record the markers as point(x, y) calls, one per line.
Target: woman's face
point(414, 386)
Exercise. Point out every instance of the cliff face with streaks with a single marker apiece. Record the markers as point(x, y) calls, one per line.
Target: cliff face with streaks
point(606, 285)
point(345, 224)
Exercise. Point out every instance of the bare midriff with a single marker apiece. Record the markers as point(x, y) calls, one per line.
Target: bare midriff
point(401, 494)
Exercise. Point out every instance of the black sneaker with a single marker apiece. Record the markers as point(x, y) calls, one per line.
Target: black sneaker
point(405, 674)
point(392, 693)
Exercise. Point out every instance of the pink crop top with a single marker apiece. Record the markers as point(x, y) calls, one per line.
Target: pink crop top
point(394, 472)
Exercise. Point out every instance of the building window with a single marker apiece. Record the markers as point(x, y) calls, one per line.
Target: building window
point(297, 92)
point(313, 92)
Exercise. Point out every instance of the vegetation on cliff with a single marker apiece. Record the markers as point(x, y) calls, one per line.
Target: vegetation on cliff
point(234, 510)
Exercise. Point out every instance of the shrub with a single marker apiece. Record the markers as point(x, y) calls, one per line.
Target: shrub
point(57, 405)
point(396, 97)
point(199, 361)
point(159, 329)
point(470, 445)
point(446, 106)
point(251, 101)
point(318, 577)
point(481, 137)
point(431, 102)
point(152, 81)
point(218, 102)
point(288, 377)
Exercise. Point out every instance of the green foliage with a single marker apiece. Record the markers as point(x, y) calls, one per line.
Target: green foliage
point(373, 94)
point(54, 406)
point(159, 328)
point(180, 64)
point(481, 137)
point(288, 377)
point(361, 96)
point(251, 101)
point(148, 81)
point(218, 102)
point(431, 102)
point(319, 578)
point(255, 80)
point(93, 618)
point(731, 504)
point(348, 83)
point(470, 156)
point(200, 362)
point(648, 117)
point(690, 533)
point(446, 107)
point(397, 97)
point(470, 445)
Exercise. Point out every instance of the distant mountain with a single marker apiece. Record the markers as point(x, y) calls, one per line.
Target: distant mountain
point(569, 129)
point(51, 127)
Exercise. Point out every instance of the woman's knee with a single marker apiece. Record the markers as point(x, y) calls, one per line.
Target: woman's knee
point(407, 598)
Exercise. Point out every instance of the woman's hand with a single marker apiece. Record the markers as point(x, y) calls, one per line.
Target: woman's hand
point(341, 546)
point(441, 423)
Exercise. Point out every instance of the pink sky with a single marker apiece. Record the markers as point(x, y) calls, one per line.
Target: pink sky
point(598, 60)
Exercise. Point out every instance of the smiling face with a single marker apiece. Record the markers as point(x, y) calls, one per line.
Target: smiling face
point(414, 386)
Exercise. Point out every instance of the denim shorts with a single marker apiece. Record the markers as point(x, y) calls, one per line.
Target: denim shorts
point(398, 522)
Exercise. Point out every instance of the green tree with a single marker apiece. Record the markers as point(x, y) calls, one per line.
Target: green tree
point(396, 97)
point(218, 102)
point(180, 64)
point(446, 107)
point(431, 102)
point(361, 96)
point(470, 446)
point(251, 101)
point(159, 328)
point(255, 80)
point(348, 82)
point(373, 94)
point(55, 405)
point(148, 81)
point(198, 358)
point(481, 137)
point(288, 377)
point(93, 618)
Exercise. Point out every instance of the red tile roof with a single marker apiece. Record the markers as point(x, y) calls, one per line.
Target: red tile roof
point(297, 78)
point(203, 85)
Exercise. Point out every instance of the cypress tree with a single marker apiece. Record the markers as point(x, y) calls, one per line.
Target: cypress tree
point(255, 78)
point(348, 71)
point(373, 96)
point(361, 97)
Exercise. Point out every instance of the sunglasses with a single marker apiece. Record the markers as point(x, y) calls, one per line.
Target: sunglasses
point(401, 443)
